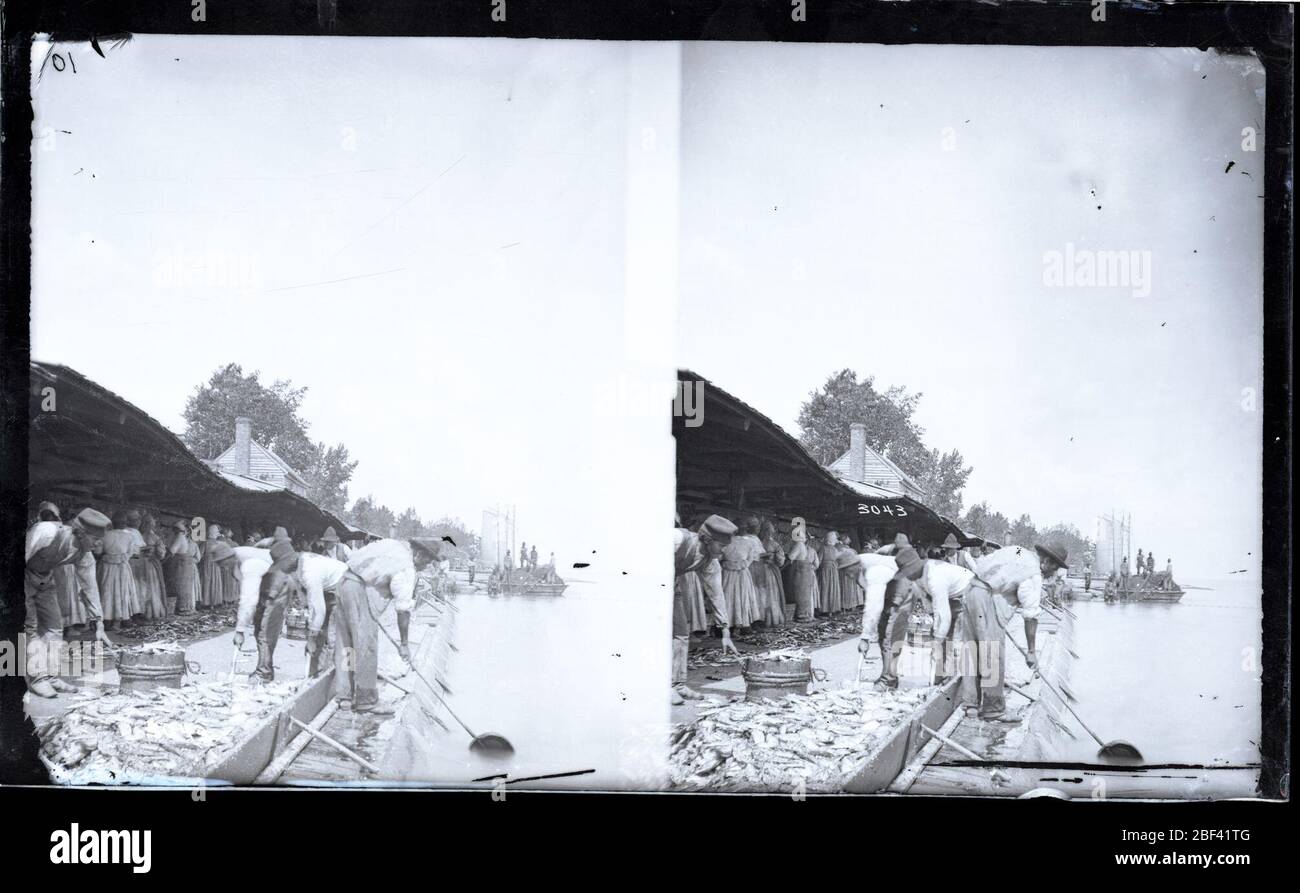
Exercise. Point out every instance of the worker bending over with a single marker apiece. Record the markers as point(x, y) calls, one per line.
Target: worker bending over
point(385, 569)
point(1010, 578)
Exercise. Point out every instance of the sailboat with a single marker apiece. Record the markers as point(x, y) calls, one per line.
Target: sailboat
point(1114, 545)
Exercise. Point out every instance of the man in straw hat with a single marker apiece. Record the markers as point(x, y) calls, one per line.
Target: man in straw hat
point(333, 547)
point(1010, 578)
point(51, 543)
point(953, 553)
point(691, 553)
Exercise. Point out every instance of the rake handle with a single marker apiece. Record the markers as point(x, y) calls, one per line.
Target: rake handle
point(433, 691)
point(1053, 690)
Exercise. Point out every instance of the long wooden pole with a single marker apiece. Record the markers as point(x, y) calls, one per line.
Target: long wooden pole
point(366, 764)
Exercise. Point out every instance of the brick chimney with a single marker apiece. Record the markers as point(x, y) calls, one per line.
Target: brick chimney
point(858, 452)
point(243, 445)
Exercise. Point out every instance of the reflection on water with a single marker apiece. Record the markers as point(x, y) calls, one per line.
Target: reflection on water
point(1181, 681)
point(572, 681)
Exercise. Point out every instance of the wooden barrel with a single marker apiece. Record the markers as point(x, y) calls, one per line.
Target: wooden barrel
point(770, 679)
point(143, 669)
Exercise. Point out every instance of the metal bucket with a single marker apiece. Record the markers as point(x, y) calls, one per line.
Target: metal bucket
point(771, 679)
point(142, 669)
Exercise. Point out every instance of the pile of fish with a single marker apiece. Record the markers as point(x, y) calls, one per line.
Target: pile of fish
point(156, 735)
point(153, 648)
point(782, 654)
point(817, 742)
point(823, 631)
point(199, 625)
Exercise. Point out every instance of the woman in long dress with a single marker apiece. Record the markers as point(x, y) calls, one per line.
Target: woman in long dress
point(693, 590)
point(828, 576)
point(117, 591)
point(178, 571)
point(212, 583)
point(229, 582)
point(147, 568)
point(803, 561)
point(738, 582)
point(767, 575)
point(852, 596)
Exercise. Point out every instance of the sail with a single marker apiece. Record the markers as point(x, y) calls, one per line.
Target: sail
point(1113, 541)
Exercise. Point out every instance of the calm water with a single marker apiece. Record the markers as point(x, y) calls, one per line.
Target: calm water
point(566, 679)
point(1180, 681)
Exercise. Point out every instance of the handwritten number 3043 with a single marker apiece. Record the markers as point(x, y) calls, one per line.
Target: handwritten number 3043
point(57, 61)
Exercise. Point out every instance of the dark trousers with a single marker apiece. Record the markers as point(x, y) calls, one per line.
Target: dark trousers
point(892, 628)
point(268, 620)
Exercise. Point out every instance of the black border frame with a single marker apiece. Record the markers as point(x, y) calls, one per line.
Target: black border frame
point(1265, 28)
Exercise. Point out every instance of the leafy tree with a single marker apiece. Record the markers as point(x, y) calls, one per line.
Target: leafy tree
point(327, 477)
point(210, 415)
point(1078, 547)
point(985, 523)
point(409, 524)
point(211, 410)
point(1023, 532)
point(825, 417)
point(455, 528)
point(369, 515)
point(943, 482)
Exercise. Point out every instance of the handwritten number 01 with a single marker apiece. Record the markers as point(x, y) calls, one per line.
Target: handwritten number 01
point(57, 61)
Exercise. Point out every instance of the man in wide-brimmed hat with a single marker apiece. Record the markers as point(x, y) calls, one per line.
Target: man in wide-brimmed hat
point(334, 548)
point(1009, 579)
point(691, 553)
point(50, 544)
point(954, 553)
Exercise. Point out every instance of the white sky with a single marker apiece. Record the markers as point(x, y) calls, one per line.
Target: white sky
point(472, 195)
point(464, 247)
point(824, 226)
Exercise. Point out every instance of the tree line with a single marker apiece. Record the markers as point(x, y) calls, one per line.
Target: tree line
point(278, 425)
point(824, 420)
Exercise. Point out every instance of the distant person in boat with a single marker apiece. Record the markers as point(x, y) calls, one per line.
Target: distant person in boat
point(1010, 578)
point(1112, 588)
point(1151, 563)
point(523, 556)
point(1141, 564)
point(532, 558)
point(691, 553)
point(1169, 569)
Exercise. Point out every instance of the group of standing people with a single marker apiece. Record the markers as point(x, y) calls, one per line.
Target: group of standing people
point(95, 574)
point(768, 581)
point(527, 559)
